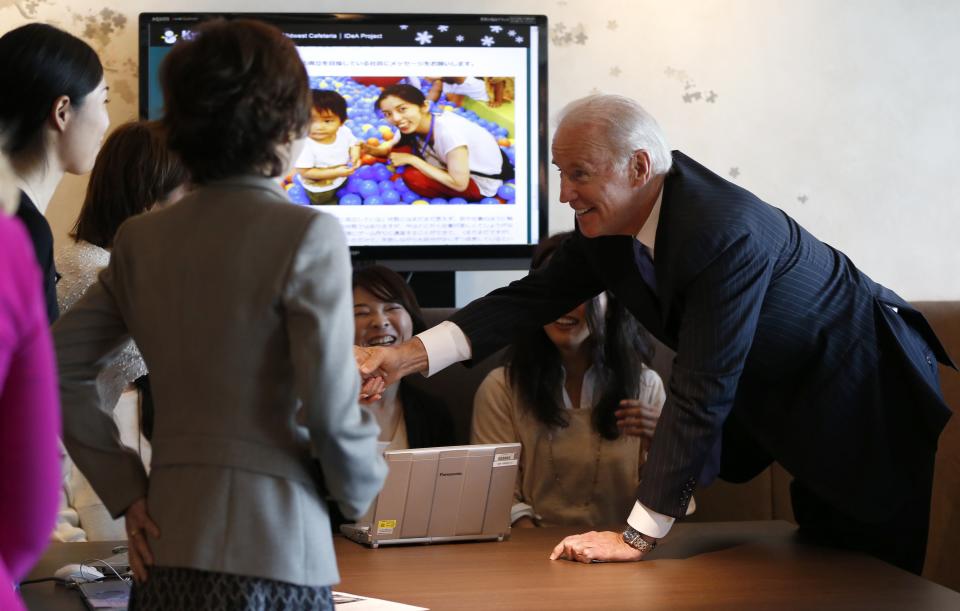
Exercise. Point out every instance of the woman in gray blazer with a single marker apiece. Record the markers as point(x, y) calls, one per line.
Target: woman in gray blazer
point(240, 303)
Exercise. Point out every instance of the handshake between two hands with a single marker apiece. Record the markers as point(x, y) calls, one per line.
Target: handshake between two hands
point(379, 368)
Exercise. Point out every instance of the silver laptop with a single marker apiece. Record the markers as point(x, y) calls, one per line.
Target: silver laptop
point(433, 495)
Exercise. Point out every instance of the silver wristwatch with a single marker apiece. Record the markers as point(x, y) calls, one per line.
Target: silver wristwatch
point(634, 539)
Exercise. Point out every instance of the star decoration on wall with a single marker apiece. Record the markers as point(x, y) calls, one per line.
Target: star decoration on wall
point(459, 38)
point(496, 29)
point(802, 198)
point(443, 28)
point(734, 172)
point(404, 27)
point(424, 38)
point(487, 41)
point(615, 71)
point(711, 97)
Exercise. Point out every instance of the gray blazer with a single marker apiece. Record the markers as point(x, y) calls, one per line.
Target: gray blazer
point(240, 303)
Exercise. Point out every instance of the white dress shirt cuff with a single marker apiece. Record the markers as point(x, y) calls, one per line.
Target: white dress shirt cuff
point(445, 344)
point(649, 522)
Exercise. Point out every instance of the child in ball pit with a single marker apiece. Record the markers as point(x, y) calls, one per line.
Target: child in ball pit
point(331, 153)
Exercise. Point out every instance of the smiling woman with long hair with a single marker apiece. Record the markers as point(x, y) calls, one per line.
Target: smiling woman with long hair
point(579, 396)
point(386, 313)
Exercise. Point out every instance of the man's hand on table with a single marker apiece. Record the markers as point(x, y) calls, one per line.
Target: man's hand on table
point(606, 546)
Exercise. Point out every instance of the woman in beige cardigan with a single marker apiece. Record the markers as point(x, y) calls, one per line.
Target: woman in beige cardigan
point(580, 398)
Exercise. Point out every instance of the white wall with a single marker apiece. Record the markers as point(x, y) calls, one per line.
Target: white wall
point(844, 113)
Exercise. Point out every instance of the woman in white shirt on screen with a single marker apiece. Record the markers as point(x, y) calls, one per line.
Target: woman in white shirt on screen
point(445, 154)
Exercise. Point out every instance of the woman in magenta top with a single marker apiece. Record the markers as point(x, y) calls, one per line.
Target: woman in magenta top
point(29, 412)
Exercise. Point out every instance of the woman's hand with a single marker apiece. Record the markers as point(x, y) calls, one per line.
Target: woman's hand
point(139, 525)
point(399, 159)
point(637, 418)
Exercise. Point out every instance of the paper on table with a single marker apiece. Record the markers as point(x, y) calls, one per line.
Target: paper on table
point(354, 602)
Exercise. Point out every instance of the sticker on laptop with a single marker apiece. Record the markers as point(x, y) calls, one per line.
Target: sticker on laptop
point(504, 460)
point(385, 527)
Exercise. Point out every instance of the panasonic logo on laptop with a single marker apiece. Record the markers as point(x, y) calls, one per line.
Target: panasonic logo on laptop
point(442, 474)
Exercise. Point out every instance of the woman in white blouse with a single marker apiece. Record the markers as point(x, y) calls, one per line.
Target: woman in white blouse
point(133, 172)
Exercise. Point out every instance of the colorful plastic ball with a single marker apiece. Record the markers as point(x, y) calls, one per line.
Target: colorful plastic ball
point(457, 201)
point(385, 132)
point(409, 197)
point(373, 200)
point(353, 184)
point(369, 188)
point(373, 141)
point(438, 201)
point(298, 194)
point(387, 185)
point(365, 127)
point(351, 199)
point(420, 202)
point(507, 192)
point(380, 172)
point(489, 200)
point(364, 173)
point(389, 196)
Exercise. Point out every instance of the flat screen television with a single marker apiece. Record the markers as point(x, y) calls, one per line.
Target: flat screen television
point(484, 75)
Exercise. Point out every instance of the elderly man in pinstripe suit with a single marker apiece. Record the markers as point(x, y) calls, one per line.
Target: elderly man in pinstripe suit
point(785, 350)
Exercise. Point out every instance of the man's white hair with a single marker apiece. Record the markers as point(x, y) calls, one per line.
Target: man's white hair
point(624, 127)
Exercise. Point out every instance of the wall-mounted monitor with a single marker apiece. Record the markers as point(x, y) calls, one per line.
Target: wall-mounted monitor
point(484, 82)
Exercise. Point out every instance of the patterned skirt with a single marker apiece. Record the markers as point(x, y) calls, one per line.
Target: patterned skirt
point(179, 589)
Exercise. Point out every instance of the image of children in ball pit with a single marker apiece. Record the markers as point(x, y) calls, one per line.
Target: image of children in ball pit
point(331, 152)
point(413, 150)
point(457, 89)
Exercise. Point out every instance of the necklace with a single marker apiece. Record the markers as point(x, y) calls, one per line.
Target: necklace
point(559, 480)
point(426, 141)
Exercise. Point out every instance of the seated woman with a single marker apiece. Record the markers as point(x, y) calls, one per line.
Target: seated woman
point(581, 399)
point(386, 312)
point(133, 172)
point(444, 154)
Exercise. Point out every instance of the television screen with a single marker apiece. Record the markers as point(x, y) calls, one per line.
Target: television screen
point(427, 137)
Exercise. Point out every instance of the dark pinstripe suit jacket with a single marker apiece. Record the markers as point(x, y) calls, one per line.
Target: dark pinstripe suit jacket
point(776, 333)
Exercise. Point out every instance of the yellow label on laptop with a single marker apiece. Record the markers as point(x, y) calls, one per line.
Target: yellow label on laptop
point(385, 527)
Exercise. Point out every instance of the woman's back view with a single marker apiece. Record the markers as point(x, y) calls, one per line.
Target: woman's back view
point(241, 306)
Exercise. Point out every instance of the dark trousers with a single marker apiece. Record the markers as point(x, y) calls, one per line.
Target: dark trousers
point(900, 540)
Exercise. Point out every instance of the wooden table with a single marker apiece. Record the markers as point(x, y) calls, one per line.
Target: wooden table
point(726, 565)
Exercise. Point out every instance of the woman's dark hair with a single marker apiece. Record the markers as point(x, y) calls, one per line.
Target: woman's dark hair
point(38, 64)
point(619, 347)
point(133, 171)
point(325, 99)
point(407, 93)
point(231, 95)
point(387, 285)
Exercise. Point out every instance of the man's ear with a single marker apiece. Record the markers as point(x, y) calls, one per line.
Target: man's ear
point(640, 166)
point(60, 113)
